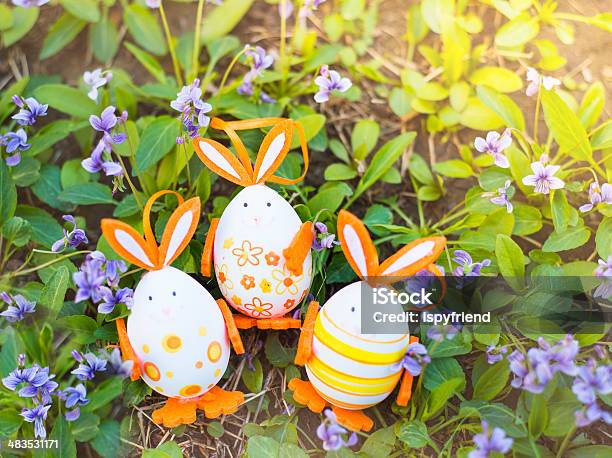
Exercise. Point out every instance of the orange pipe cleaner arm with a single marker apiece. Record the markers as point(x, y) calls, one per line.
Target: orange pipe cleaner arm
point(207, 252)
point(405, 391)
point(304, 350)
point(299, 248)
point(232, 330)
point(126, 348)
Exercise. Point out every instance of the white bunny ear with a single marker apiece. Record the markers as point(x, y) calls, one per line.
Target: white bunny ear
point(129, 244)
point(179, 230)
point(357, 245)
point(220, 160)
point(413, 257)
point(273, 150)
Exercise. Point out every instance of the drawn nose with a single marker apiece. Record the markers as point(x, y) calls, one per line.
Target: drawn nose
point(256, 219)
point(166, 311)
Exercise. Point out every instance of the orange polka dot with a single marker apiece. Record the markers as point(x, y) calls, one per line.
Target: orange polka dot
point(172, 343)
point(169, 374)
point(159, 389)
point(190, 390)
point(199, 364)
point(152, 371)
point(145, 348)
point(214, 351)
point(217, 372)
point(202, 331)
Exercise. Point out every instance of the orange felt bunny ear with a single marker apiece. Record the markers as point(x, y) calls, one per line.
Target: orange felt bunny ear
point(412, 258)
point(144, 252)
point(272, 151)
point(129, 244)
point(357, 245)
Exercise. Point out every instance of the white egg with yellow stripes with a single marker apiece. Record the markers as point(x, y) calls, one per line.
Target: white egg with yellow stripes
point(347, 368)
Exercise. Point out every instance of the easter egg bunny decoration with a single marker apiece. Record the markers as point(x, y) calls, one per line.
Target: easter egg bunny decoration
point(177, 335)
point(347, 369)
point(259, 246)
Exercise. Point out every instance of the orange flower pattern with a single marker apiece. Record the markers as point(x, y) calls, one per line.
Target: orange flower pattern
point(248, 281)
point(272, 258)
point(257, 308)
point(289, 303)
point(285, 281)
point(247, 254)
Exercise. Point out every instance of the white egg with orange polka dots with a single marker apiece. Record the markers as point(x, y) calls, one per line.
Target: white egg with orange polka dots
point(178, 333)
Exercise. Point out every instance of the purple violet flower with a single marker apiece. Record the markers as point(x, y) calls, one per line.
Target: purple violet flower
point(89, 280)
point(95, 162)
point(110, 299)
point(74, 397)
point(534, 78)
point(88, 368)
point(495, 354)
point(604, 271)
point(494, 145)
point(18, 307)
point(598, 195)
point(591, 381)
point(332, 434)
point(543, 178)
point(323, 239)
point(39, 383)
point(416, 356)
point(37, 415)
point(95, 80)
point(441, 332)
point(329, 81)
point(192, 108)
point(30, 110)
point(73, 238)
point(119, 366)
point(30, 3)
point(501, 196)
point(490, 441)
point(15, 142)
point(467, 267)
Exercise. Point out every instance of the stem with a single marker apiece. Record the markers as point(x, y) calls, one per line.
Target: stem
point(20, 272)
point(129, 180)
point(565, 442)
point(537, 114)
point(169, 40)
point(283, 39)
point(195, 57)
point(227, 72)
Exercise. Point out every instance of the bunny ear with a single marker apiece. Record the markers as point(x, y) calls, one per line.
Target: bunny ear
point(129, 244)
point(357, 245)
point(413, 257)
point(179, 230)
point(273, 150)
point(220, 160)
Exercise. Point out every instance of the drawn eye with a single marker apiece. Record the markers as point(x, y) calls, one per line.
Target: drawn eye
point(150, 298)
point(246, 205)
point(352, 309)
point(269, 204)
point(174, 293)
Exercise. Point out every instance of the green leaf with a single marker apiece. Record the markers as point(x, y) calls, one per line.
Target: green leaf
point(496, 414)
point(519, 31)
point(6, 17)
point(73, 173)
point(48, 187)
point(17, 231)
point(83, 328)
point(85, 428)
point(27, 172)
point(104, 40)
point(63, 437)
point(498, 78)
point(148, 61)
point(53, 132)
point(364, 137)
point(569, 239)
point(592, 105)
point(527, 220)
point(414, 434)
point(329, 197)
point(440, 370)
point(312, 124)
point(492, 381)
point(400, 101)
point(262, 447)
point(108, 443)
point(335, 172)
point(157, 140)
point(453, 168)
point(215, 429)
point(83, 9)
point(503, 106)
point(222, 20)
point(566, 127)
point(23, 21)
point(166, 450)
point(383, 160)
point(538, 415)
point(480, 117)
point(104, 393)
point(8, 202)
point(590, 451)
point(6, 100)
point(603, 238)
point(10, 421)
point(602, 137)
point(253, 379)
point(278, 355)
point(66, 99)
point(561, 406)
point(54, 291)
point(510, 261)
point(433, 92)
point(560, 209)
point(45, 229)
point(87, 194)
point(145, 29)
point(65, 29)
point(420, 170)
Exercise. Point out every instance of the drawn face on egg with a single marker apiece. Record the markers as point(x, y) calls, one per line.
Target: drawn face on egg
point(259, 207)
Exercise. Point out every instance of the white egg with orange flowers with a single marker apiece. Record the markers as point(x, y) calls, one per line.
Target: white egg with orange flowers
point(259, 247)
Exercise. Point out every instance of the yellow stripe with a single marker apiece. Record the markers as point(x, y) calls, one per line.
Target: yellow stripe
point(349, 351)
point(317, 362)
point(358, 337)
point(345, 405)
point(350, 385)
